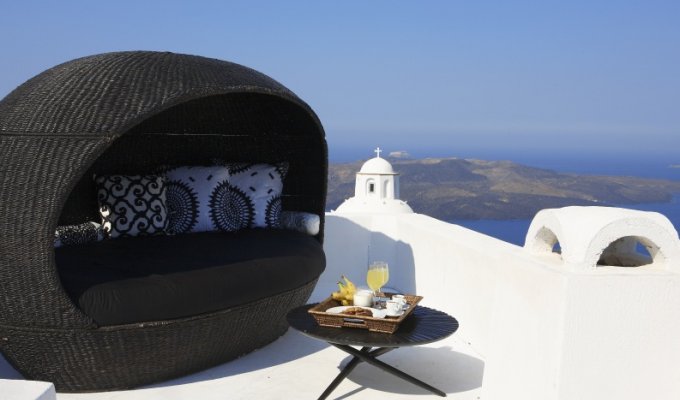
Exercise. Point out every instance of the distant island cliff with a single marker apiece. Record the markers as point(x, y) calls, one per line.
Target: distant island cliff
point(453, 188)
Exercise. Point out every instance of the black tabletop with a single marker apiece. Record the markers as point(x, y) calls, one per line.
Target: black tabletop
point(424, 325)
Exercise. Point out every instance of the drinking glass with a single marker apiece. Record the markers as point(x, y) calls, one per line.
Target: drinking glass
point(377, 276)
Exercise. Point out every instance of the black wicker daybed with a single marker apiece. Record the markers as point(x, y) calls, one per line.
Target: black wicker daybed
point(183, 302)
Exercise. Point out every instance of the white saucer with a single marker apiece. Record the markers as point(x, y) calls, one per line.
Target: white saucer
point(399, 314)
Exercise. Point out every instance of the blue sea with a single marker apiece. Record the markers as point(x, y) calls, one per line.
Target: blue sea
point(515, 230)
point(655, 166)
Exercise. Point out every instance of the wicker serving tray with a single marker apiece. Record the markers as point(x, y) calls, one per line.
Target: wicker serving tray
point(386, 325)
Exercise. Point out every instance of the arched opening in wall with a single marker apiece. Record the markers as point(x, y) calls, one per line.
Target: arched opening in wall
point(546, 242)
point(629, 251)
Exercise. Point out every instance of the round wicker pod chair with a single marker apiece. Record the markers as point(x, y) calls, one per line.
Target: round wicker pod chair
point(131, 112)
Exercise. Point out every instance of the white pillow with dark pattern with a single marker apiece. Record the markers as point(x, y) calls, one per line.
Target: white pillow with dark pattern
point(224, 198)
point(300, 221)
point(190, 190)
point(263, 185)
point(132, 205)
point(87, 232)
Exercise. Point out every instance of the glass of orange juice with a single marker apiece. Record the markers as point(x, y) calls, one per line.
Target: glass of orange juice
point(376, 277)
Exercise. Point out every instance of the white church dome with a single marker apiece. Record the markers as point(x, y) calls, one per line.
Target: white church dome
point(376, 190)
point(377, 165)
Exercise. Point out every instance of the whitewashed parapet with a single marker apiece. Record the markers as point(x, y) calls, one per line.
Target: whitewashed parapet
point(11, 389)
point(585, 233)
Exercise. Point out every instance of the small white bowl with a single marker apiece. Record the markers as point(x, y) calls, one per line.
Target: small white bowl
point(363, 298)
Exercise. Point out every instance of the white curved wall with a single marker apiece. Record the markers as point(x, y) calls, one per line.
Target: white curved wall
point(545, 331)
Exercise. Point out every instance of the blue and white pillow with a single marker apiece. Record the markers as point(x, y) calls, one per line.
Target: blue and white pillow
point(189, 192)
point(263, 185)
point(132, 205)
point(224, 198)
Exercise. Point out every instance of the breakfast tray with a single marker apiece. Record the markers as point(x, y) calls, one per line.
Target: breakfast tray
point(386, 325)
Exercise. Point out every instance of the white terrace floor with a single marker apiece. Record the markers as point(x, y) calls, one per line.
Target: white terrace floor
point(299, 367)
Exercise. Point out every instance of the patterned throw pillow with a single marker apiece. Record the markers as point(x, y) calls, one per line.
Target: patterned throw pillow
point(262, 184)
point(132, 205)
point(225, 198)
point(190, 190)
point(78, 234)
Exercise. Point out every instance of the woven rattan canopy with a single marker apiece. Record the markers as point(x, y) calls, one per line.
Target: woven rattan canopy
point(127, 113)
point(107, 94)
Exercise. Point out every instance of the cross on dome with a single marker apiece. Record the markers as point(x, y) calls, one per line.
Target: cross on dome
point(378, 151)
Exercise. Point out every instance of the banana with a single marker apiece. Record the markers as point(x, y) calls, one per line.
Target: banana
point(337, 296)
point(345, 293)
point(343, 289)
point(349, 284)
point(341, 293)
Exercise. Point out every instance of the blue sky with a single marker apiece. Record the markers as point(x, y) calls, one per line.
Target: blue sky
point(430, 77)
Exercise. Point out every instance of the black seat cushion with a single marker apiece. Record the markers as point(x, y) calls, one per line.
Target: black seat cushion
point(156, 278)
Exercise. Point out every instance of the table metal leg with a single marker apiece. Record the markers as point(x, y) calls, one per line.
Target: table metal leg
point(342, 375)
point(369, 357)
point(350, 367)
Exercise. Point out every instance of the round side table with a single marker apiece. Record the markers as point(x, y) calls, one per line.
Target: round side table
point(424, 325)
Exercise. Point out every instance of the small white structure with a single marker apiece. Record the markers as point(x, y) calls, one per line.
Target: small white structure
point(376, 190)
point(589, 234)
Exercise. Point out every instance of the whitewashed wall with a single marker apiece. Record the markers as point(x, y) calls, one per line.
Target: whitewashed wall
point(545, 331)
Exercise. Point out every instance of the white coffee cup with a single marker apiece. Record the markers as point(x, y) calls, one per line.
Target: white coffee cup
point(400, 298)
point(393, 307)
point(363, 298)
